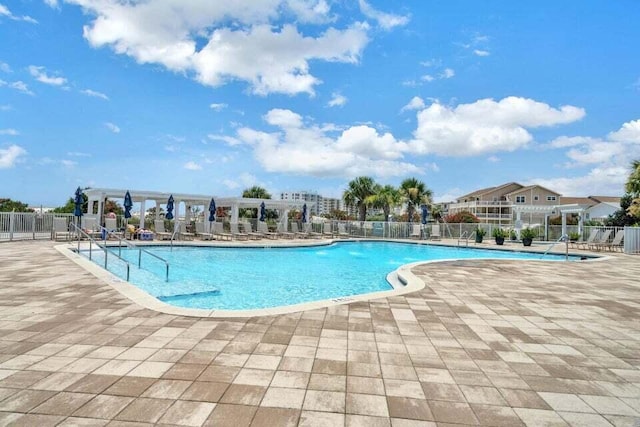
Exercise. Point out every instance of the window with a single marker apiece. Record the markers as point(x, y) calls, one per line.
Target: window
point(521, 199)
point(535, 198)
point(551, 198)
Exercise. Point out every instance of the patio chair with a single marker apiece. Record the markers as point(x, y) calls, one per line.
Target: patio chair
point(184, 234)
point(342, 230)
point(416, 231)
point(584, 244)
point(235, 232)
point(111, 224)
point(327, 230)
point(161, 233)
point(613, 244)
point(282, 231)
point(435, 232)
point(248, 230)
point(90, 226)
point(201, 233)
point(219, 233)
point(308, 228)
point(263, 229)
point(60, 229)
point(297, 233)
point(600, 242)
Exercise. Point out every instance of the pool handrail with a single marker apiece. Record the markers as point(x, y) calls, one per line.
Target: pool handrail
point(80, 232)
point(130, 245)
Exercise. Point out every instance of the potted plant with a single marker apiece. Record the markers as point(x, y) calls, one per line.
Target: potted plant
point(480, 232)
point(499, 234)
point(512, 234)
point(574, 236)
point(527, 235)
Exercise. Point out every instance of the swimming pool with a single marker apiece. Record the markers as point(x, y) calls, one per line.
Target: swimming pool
point(237, 278)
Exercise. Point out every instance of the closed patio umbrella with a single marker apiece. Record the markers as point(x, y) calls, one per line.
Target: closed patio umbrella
point(212, 213)
point(304, 213)
point(169, 214)
point(263, 212)
point(128, 204)
point(425, 214)
point(77, 210)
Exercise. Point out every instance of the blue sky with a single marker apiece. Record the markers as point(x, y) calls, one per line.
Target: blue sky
point(212, 97)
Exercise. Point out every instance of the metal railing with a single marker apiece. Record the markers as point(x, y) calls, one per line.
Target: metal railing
point(81, 233)
point(464, 237)
point(563, 238)
point(107, 233)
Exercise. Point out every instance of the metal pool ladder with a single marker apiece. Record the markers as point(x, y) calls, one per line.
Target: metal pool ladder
point(563, 238)
point(139, 249)
point(80, 233)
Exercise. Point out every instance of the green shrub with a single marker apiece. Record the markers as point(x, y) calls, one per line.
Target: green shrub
point(499, 232)
point(528, 233)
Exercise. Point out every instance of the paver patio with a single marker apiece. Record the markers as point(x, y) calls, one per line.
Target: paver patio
point(496, 343)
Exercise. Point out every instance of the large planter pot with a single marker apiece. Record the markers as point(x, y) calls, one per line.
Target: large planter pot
point(478, 239)
point(527, 241)
point(499, 241)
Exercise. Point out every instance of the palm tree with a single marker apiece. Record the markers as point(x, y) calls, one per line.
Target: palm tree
point(414, 193)
point(356, 195)
point(633, 182)
point(256, 192)
point(386, 197)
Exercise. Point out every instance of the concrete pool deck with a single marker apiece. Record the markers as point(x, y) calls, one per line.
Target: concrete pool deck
point(500, 343)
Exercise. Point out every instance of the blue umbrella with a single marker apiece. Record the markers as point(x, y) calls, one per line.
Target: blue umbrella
point(263, 212)
point(212, 210)
point(169, 214)
point(425, 214)
point(128, 204)
point(304, 213)
point(79, 200)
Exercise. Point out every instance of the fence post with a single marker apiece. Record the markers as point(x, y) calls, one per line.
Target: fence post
point(11, 224)
point(33, 225)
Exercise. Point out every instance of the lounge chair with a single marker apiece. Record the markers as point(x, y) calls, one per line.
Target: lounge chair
point(201, 233)
point(327, 230)
point(282, 231)
point(342, 231)
point(111, 224)
point(161, 233)
point(297, 233)
point(605, 244)
point(585, 243)
point(184, 234)
point(90, 226)
point(219, 233)
point(248, 230)
point(600, 242)
point(435, 232)
point(264, 230)
point(60, 229)
point(308, 228)
point(235, 232)
point(416, 231)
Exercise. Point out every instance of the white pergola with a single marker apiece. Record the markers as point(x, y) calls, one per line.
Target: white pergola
point(547, 210)
point(98, 196)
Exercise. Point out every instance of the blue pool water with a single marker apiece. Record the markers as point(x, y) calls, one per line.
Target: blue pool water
point(251, 278)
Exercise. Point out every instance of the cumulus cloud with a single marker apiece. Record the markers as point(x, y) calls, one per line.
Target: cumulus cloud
point(10, 132)
point(218, 107)
point(40, 74)
point(217, 42)
point(337, 100)
point(113, 128)
point(481, 52)
point(608, 159)
point(6, 107)
point(192, 166)
point(52, 3)
point(299, 148)
point(4, 67)
point(387, 21)
point(20, 86)
point(485, 126)
point(4, 11)
point(416, 103)
point(447, 73)
point(94, 94)
point(10, 155)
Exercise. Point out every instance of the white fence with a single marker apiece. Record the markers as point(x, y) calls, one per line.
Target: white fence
point(632, 240)
point(27, 225)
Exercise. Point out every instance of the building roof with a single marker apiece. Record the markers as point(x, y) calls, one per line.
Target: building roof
point(487, 190)
point(529, 187)
point(577, 200)
point(606, 199)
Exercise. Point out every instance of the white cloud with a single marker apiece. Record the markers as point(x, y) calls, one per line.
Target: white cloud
point(40, 75)
point(485, 126)
point(4, 67)
point(217, 42)
point(386, 20)
point(4, 11)
point(6, 107)
point(218, 107)
point(598, 181)
point(9, 156)
point(308, 149)
point(337, 100)
point(416, 103)
point(113, 128)
point(230, 184)
point(94, 94)
point(629, 132)
point(52, 3)
point(481, 52)
point(493, 159)
point(224, 138)
point(447, 73)
point(78, 154)
point(11, 132)
point(449, 195)
point(427, 78)
point(20, 86)
point(68, 163)
point(192, 166)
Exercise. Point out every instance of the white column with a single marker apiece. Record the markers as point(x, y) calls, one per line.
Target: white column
point(157, 209)
point(518, 226)
point(564, 223)
point(234, 212)
point(546, 226)
point(143, 208)
point(581, 221)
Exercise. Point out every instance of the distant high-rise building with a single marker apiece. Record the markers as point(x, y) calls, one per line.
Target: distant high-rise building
point(314, 200)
